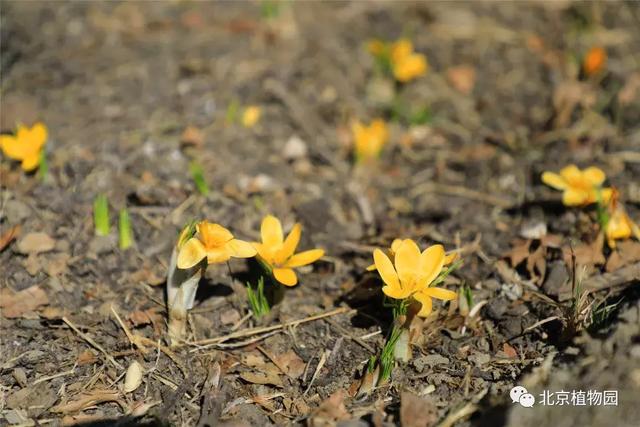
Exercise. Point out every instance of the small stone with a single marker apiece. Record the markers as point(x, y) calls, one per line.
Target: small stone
point(16, 211)
point(295, 148)
point(35, 243)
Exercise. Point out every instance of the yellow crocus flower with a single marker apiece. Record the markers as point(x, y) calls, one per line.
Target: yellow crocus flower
point(214, 242)
point(620, 226)
point(369, 140)
point(278, 253)
point(25, 145)
point(580, 187)
point(407, 65)
point(412, 272)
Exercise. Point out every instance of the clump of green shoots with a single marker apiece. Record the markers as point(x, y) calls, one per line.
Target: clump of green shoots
point(257, 299)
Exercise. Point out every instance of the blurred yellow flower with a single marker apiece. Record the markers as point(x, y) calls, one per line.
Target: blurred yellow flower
point(212, 241)
point(251, 115)
point(594, 61)
point(406, 64)
point(369, 140)
point(619, 225)
point(412, 272)
point(580, 187)
point(278, 253)
point(26, 145)
point(377, 47)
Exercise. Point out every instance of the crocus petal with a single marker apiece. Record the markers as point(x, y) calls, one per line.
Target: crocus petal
point(385, 269)
point(574, 197)
point(13, 148)
point(191, 253)
point(372, 267)
point(431, 262)
point(554, 180)
point(263, 252)
point(427, 304)
point(440, 293)
point(31, 162)
point(286, 276)
point(571, 174)
point(606, 194)
point(407, 260)
point(304, 258)
point(213, 235)
point(38, 136)
point(595, 176)
point(271, 231)
point(396, 292)
point(218, 255)
point(241, 249)
point(451, 257)
point(395, 245)
point(290, 244)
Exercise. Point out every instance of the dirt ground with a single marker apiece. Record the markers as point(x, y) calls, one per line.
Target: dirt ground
point(117, 84)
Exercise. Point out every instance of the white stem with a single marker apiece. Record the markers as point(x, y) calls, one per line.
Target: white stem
point(402, 349)
point(181, 293)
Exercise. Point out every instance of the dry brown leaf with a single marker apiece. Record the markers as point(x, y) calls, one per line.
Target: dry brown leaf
point(35, 243)
point(537, 264)
point(626, 252)
point(416, 411)
point(462, 78)
point(519, 252)
point(586, 254)
point(9, 236)
point(27, 300)
point(509, 350)
point(192, 136)
point(86, 358)
point(330, 411)
point(270, 378)
point(290, 363)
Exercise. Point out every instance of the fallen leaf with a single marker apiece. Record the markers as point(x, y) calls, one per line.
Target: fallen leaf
point(192, 136)
point(586, 254)
point(626, 252)
point(35, 243)
point(462, 78)
point(416, 411)
point(9, 236)
point(264, 378)
point(519, 252)
point(330, 411)
point(290, 363)
point(509, 350)
point(86, 358)
point(27, 300)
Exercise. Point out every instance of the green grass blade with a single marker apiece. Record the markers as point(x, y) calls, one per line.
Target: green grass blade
point(198, 178)
point(126, 233)
point(101, 215)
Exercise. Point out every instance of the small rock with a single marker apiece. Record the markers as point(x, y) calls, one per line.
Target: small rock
point(35, 243)
point(635, 352)
point(230, 316)
point(295, 148)
point(102, 244)
point(533, 230)
point(16, 211)
point(557, 280)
